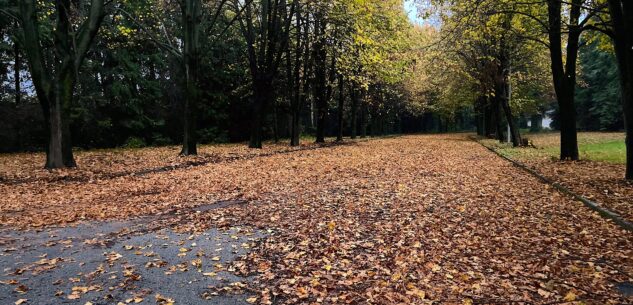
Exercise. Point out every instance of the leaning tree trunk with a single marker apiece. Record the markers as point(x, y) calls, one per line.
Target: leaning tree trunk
point(504, 98)
point(514, 129)
point(497, 115)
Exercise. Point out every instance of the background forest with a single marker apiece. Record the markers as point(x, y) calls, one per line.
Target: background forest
point(99, 74)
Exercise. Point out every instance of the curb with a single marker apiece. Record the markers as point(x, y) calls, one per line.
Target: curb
point(623, 223)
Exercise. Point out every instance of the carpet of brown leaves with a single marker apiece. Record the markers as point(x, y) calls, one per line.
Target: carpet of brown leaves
point(601, 182)
point(409, 220)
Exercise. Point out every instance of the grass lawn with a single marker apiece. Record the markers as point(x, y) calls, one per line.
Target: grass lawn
point(594, 146)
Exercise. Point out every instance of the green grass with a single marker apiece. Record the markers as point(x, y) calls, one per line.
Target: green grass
point(612, 152)
point(594, 146)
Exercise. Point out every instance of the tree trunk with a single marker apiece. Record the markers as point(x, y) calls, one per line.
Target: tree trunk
point(568, 131)
point(514, 129)
point(621, 12)
point(503, 92)
point(364, 120)
point(191, 18)
point(320, 85)
point(275, 123)
point(54, 87)
point(295, 77)
point(497, 117)
point(262, 97)
point(16, 73)
point(354, 111)
point(489, 120)
point(564, 74)
point(341, 106)
point(60, 152)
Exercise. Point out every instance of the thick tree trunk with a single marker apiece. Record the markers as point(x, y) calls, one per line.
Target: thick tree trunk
point(621, 12)
point(295, 77)
point(60, 152)
point(189, 143)
point(564, 73)
point(261, 100)
point(568, 130)
point(55, 87)
point(191, 19)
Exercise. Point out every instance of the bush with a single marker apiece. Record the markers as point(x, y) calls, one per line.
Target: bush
point(134, 142)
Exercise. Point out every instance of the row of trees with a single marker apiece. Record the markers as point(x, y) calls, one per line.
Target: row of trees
point(504, 51)
point(132, 64)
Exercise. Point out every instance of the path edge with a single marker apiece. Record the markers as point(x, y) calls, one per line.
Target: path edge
point(605, 213)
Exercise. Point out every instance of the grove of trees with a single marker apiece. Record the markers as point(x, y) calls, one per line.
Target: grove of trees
point(502, 52)
point(95, 73)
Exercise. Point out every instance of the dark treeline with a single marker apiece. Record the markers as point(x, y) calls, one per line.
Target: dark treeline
point(192, 71)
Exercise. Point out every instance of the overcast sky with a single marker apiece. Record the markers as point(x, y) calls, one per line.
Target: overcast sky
point(409, 7)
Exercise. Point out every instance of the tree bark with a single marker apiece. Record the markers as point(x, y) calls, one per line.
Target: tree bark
point(497, 117)
point(320, 94)
point(191, 18)
point(354, 111)
point(341, 106)
point(261, 101)
point(621, 12)
point(564, 74)
point(17, 66)
point(503, 93)
point(55, 83)
point(364, 119)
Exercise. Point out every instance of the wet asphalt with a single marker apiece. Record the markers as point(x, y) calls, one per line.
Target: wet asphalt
point(94, 263)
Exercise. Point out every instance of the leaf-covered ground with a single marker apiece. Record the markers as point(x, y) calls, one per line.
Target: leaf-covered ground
point(599, 176)
point(409, 220)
